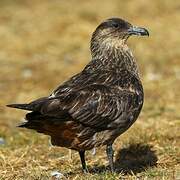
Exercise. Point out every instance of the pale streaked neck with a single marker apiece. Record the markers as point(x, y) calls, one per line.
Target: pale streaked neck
point(114, 53)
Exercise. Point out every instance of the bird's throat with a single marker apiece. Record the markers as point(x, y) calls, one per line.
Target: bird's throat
point(115, 56)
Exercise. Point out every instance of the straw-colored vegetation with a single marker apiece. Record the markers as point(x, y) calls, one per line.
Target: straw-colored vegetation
point(44, 42)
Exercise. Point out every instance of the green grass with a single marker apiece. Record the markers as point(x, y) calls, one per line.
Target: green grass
point(42, 43)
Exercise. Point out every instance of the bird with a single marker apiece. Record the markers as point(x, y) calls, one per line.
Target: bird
point(97, 105)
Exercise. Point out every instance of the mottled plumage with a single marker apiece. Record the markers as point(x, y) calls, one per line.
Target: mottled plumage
point(97, 105)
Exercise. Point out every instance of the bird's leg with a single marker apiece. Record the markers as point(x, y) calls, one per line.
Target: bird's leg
point(110, 154)
point(83, 162)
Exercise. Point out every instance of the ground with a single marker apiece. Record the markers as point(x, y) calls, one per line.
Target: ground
point(42, 43)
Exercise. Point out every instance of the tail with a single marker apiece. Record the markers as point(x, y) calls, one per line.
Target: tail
point(33, 120)
point(32, 106)
point(21, 106)
point(41, 123)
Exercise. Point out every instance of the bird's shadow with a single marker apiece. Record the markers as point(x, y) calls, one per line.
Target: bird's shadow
point(132, 160)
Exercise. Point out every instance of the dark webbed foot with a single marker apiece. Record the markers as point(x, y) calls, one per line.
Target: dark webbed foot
point(110, 155)
point(83, 162)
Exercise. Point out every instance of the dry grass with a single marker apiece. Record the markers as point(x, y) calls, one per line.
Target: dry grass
point(42, 43)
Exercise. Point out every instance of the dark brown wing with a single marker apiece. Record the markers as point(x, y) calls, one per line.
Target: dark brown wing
point(101, 108)
point(99, 101)
point(102, 100)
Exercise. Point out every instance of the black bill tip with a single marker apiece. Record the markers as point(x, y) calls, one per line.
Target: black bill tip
point(139, 31)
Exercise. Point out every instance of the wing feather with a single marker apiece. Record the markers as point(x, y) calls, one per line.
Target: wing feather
point(93, 101)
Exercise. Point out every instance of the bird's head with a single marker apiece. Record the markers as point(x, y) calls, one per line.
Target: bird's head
point(115, 32)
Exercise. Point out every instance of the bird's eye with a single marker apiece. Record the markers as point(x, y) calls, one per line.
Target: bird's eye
point(116, 25)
